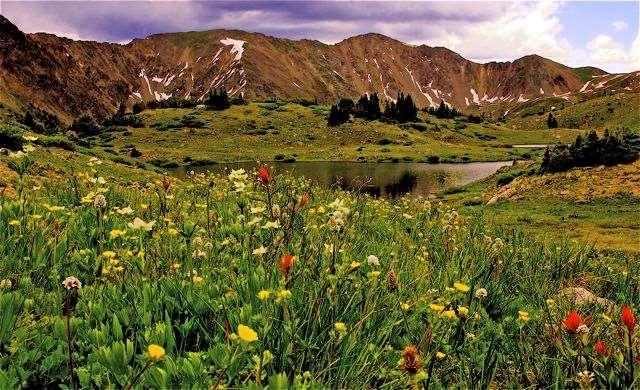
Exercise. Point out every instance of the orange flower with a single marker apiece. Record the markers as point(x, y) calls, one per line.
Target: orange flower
point(285, 263)
point(602, 349)
point(304, 199)
point(572, 322)
point(265, 176)
point(628, 319)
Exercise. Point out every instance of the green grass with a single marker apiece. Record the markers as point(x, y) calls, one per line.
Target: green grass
point(192, 281)
point(261, 131)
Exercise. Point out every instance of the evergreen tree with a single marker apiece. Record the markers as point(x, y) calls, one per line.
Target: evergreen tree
point(217, 100)
point(552, 122)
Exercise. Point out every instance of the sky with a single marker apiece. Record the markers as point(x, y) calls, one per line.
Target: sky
point(575, 33)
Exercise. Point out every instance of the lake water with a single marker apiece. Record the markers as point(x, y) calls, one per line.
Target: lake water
point(377, 179)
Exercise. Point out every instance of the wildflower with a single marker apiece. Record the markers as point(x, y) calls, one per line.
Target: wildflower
point(247, 334)
point(172, 231)
point(374, 274)
point(115, 233)
point(550, 302)
point(463, 311)
point(197, 279)
point(14, 222)
point(271, 225)
point(523, 316)
point(461, 287)
point(304, 199)
point(109, 254)
point(5, 283)
point(139, 224)
point(405, 306)
point(355, 264)
point(481, 293)
point(436, 307)
point(440, 355)
point(71, 282)
point(124, 211)
point(257, 210)
point(156, 352)
point(176, 266)
point(100, 202)
point(237, 175)
point(585, 378)
point(572, 322)
point(450, 314)
point(263, 294)
point(265, 176)
point(606, 318)
point(340, 326)
point(602, 349)
point(260, 251)
point(284, 294)
point(410, 360)
point(373, 260)
point(29, 138)
point(583, 328)
point(285, 263)
point(628, 319)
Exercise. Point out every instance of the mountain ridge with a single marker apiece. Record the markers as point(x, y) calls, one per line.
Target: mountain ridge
point(71, 77)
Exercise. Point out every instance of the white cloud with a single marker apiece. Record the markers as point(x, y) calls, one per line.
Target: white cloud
point(620, 25)
point(606, 52)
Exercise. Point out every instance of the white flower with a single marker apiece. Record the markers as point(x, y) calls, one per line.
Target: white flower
point(5, 283)
point(238, 175)
point(271, 225)
point(98, 180)
point(124, 211)
point(260, 251)
point(71, 282)
point(198, 253)
point(28, 148)
point(100, 201)
point(373, 260)
point(582, 329)
point(139, 224)
point(481, 293)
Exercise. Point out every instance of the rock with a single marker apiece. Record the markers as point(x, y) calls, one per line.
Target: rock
point(580, 296)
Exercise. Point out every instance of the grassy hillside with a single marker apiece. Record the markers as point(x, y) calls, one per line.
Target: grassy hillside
point(607, 111)
point(188, 284)
point(600, 206)
point(267, 131)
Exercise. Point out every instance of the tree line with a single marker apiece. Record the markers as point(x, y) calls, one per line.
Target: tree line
point(621, 147)
point(368, 107)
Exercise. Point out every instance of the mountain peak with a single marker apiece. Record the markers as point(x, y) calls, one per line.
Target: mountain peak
point(10, 35)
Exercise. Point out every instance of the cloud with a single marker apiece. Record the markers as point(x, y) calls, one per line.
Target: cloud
point(606, 52)
point(620, 25)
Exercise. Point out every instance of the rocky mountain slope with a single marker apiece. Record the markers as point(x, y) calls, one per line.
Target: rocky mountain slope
point(70, 77)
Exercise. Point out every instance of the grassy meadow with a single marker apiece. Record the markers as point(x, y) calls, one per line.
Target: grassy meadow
point(280, 130)
point(134, 280)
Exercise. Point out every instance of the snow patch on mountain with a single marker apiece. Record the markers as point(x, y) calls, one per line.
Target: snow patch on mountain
point(236, 46)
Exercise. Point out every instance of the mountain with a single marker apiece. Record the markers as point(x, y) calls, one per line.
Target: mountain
point(70, 77)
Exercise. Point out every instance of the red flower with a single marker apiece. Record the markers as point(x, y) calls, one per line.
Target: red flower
point(285, 263)
point(602, 349)
point(265, 176)
point(572, 322)
point(304, 199)
point(628, 319)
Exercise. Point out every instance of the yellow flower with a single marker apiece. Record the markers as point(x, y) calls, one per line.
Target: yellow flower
point(523, 316)
point(405, 306)
point(340, 326)
point(606, 317)
point(550, 302)
point(355, 264)
point(109, 254)
point(284, 294)
point(450, 314)
point(461, 287)
point(247, 334)
point(436, 307)
point(263, 294)
point(116, 233)
point(172, 231)
point(14, 222)
point(176, 266)
point(156, 352)
point(197, 279)
point(464, 311)
point(440, 355)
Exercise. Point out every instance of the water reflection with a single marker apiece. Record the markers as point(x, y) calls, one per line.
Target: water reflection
point(376, 179)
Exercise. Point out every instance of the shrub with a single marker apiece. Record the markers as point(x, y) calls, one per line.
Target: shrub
point(11, 136)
